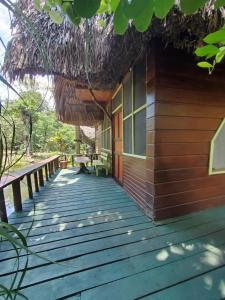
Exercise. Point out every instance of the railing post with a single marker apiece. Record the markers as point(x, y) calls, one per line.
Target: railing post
point(36, 182)
point(17, 199)
point(46, 172)
point(29, 185)
point(49, 169)
point(41, 178)
point(72, 159)
point(3, 212)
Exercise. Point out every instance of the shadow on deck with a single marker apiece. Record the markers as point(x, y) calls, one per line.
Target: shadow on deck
point(108, 249)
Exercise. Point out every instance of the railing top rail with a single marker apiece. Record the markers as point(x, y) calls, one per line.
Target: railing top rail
point(12, 177)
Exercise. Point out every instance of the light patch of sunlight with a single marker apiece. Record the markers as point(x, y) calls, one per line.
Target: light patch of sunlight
point(99, 213)
point(80, 225)
point(38, 239)
point(56, 216)
point(90, 217)
point(214, 249)
point(143, 238)
point(37, 225)
point(119, 217)
point(211, 259)
point(62, 226)
point(208, 281)
point(71, 181)
point(129, 232)
point(162, 255)
point(106, 219)
point(222, 288)
point(176, 250)
point(91, 222)
point(189, 247)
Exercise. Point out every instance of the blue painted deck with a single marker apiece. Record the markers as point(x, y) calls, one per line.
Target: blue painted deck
point(106, 248)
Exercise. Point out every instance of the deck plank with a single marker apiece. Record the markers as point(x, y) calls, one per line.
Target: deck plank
point(106, 248)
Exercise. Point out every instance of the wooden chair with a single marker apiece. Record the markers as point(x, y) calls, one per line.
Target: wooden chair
point(102, 163)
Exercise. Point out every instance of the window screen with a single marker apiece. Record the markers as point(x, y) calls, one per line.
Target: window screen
point(127, 97)
point(218, 162)
point(139, 85)
point(140, 133)
point(127, 135)
point(117, 100)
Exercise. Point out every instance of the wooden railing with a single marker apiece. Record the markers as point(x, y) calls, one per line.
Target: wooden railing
point(50, 165)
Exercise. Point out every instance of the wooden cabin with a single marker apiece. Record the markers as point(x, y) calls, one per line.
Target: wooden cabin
point(166, 136)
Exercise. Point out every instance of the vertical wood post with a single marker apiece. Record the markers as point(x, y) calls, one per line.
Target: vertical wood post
point(17, 199)
point(72, 159)
point(41, 177)
point(3, 212)
point(36, 182)
point(53, 167)
point(29, 185)
point(49, 170)
point(46, 172)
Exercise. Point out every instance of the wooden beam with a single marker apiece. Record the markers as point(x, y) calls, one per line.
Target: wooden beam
point(17, 199)
point(3, 212)
point(29, 185)
point(36, 182)
point(41, 177)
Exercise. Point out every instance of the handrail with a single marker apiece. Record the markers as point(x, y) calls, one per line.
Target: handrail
point(50, 165)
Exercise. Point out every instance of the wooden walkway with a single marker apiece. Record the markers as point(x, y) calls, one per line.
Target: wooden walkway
point(107, 249)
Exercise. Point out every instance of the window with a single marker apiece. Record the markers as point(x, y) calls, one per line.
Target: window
point(127, 96)
point(106, 142)
point(117, 100)
point(139, 85)
point(217, 151)
point(134, 112)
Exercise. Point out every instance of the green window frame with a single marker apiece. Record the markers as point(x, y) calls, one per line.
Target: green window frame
point(213, 151)
point(131, 117)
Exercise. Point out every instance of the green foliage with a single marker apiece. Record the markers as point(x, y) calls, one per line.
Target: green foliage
point(138, 12)
point(86, 8)
point(191, 6)
point(214, 50)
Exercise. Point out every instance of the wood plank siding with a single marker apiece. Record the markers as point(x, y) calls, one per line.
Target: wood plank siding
point(189, 107)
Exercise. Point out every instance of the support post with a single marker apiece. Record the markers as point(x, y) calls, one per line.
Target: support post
point(72, 159)
point(17, 199)
point(3, 212)
point(41, 178)
point(36, 182)
point(29, 185)
point(49, 169)
point(46, 172)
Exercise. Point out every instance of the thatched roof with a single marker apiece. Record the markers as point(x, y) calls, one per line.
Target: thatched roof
point(89, 54)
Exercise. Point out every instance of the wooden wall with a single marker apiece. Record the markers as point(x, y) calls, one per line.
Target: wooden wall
point(138, 174)
point(189, 106)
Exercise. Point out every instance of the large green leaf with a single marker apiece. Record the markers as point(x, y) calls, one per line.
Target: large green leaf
point(220, 55)
point(205, 65)
point(191, 6)
point(120, 19)
point(215, 37)
point(143, 21)
point(114, 4)
point(71, 13)
point(87, 8)
point(56, 17)
point(208, 51)
point(219, 3)
point(162, 7)
point(135, 8)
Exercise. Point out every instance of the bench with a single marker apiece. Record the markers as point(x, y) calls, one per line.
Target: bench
point(102, 163)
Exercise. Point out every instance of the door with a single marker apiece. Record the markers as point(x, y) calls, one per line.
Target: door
point(118, 146)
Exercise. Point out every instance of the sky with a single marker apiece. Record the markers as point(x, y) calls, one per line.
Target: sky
point(5, 34)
